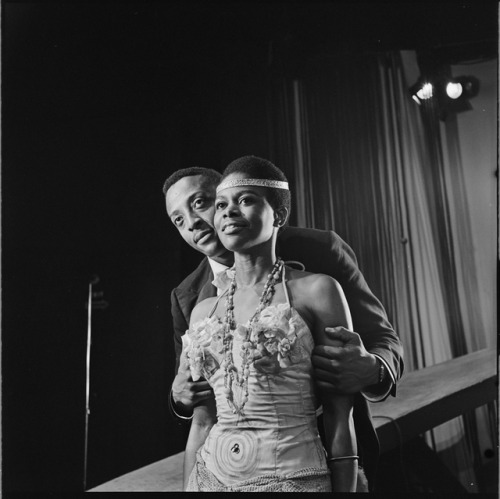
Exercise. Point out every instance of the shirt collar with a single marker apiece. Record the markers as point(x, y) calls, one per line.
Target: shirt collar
point(216, 266)
point(221, 282)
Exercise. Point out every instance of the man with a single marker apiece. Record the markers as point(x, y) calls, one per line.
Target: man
point(370, 360)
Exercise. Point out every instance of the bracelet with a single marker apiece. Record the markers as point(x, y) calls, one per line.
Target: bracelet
point(330, 459)
point(176, 414)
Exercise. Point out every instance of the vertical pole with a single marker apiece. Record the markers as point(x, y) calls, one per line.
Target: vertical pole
point(87, 387)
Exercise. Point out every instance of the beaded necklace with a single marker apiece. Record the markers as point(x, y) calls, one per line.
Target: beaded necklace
point(230, 371)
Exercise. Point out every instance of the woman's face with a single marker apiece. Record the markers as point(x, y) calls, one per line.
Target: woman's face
point(243, 216)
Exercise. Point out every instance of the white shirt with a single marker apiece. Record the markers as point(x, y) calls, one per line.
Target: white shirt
point(217, 268)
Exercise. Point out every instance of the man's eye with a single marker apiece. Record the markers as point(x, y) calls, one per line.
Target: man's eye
point(199, 203)
point(178, 221)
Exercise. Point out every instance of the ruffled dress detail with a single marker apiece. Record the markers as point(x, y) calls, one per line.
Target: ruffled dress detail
point(274, 445)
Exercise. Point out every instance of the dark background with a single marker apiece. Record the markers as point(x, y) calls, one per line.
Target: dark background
point(100, 103)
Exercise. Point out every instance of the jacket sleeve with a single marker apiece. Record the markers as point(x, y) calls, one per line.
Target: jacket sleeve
point(369, 316)
point(181, 324)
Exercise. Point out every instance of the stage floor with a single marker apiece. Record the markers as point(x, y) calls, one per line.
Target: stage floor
point(426, 398)
point(162, 476)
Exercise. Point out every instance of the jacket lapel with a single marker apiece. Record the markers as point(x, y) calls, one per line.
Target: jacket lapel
point(207, 291)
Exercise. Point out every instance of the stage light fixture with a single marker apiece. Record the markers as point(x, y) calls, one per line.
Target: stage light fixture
point(449, 95)
point(422, 90)
point(425, 92)
point(466, 86)
point(457, 92)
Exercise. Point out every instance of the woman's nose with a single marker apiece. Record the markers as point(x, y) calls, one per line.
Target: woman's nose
point(231, 210)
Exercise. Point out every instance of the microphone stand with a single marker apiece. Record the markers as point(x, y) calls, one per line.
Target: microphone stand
point(87, 387)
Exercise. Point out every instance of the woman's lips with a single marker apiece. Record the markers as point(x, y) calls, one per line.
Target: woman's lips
point(233, 228)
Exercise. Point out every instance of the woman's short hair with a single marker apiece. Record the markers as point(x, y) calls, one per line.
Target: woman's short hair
point(261, 168)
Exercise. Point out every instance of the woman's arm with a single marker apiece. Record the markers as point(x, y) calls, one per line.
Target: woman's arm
point(328, 306)
point(204, 417)
point(340, 442)
point(204, 412)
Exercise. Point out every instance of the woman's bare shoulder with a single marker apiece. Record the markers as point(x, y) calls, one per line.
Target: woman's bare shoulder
point(321, 298)
point(308, 282)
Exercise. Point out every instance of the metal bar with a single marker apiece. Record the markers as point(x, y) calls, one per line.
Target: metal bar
point(87, 387)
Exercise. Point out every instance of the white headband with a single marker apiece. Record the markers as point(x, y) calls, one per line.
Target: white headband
point(237, 182)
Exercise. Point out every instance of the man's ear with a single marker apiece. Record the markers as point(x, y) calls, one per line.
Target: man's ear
point(280, 216)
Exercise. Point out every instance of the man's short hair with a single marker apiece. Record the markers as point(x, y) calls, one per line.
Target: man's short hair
point(212, 175)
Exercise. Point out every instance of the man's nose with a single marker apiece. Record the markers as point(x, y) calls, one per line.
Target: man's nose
point(194, 222)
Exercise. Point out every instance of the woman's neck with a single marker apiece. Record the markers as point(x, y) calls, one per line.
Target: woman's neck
point(252, 269)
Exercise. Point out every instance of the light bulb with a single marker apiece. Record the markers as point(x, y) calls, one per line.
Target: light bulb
point(425, 92)
point(454, 90)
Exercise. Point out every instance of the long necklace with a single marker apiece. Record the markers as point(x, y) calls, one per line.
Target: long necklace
point(231, 375)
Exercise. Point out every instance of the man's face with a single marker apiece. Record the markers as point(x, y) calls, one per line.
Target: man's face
point(190, 205)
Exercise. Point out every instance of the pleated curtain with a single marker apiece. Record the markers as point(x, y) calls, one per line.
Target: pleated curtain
point(365, 161)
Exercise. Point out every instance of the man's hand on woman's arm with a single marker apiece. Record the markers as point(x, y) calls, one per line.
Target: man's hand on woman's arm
point(349, 367)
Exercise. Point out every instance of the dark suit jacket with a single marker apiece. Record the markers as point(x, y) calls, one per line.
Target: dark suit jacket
point(326, 253)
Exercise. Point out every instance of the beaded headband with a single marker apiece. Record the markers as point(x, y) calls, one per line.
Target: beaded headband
point(237, 182)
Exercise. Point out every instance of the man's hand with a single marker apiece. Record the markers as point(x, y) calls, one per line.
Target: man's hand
point(186, 392)
point(347, 368)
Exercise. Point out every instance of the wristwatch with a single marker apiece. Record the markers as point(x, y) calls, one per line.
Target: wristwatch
point(382, 371)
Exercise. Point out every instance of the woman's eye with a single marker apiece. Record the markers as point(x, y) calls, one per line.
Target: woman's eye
point(246, 200)
point(219, 206)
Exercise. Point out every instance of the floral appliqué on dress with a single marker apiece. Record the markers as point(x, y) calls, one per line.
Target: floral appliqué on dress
point(271, 338)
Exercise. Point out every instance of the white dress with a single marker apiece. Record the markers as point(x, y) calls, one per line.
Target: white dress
point(274, 445)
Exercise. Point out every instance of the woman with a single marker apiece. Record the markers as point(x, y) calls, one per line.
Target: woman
point(253, 344)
